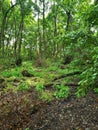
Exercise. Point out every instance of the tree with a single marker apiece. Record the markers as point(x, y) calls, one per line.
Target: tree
point(5, 12)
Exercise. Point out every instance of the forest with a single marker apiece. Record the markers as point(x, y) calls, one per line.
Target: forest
point(48, 64)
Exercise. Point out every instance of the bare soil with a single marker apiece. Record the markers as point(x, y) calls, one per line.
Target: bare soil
point(22, 110)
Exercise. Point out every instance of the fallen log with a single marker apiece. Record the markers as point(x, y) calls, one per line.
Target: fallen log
point(65, 84)
point(66, 75)
point(71, 84)
point(63, 76)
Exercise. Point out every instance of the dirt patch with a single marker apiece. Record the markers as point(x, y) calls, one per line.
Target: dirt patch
point(24, 110)
point(68, 114)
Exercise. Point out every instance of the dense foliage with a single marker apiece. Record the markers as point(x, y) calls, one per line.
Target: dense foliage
point(57, 29)
point(48, 60)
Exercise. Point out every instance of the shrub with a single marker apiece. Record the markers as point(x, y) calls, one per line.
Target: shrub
point(39, 87)
point(61, 91)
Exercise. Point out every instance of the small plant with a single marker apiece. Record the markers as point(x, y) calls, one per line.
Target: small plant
point(96, 90)
point(27, 129)
point(81, 92)
point(39, 87)
point(61, 91)
point(46, 96)
point(23, 86)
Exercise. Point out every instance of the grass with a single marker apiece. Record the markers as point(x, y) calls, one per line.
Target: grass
point(15, 72)
point(42, 75)
point(23, 86)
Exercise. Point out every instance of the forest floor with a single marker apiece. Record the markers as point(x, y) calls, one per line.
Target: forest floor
point(24, 110)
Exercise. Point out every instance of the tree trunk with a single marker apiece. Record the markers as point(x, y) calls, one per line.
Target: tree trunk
point(55, 29)
point(44, 44)
point(20, 41)
point(3, 28)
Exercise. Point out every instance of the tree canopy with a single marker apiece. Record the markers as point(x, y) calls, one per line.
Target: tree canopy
point(31, 29)
point(48, 64)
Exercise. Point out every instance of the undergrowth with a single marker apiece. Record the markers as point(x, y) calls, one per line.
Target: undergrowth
point(61, 91)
